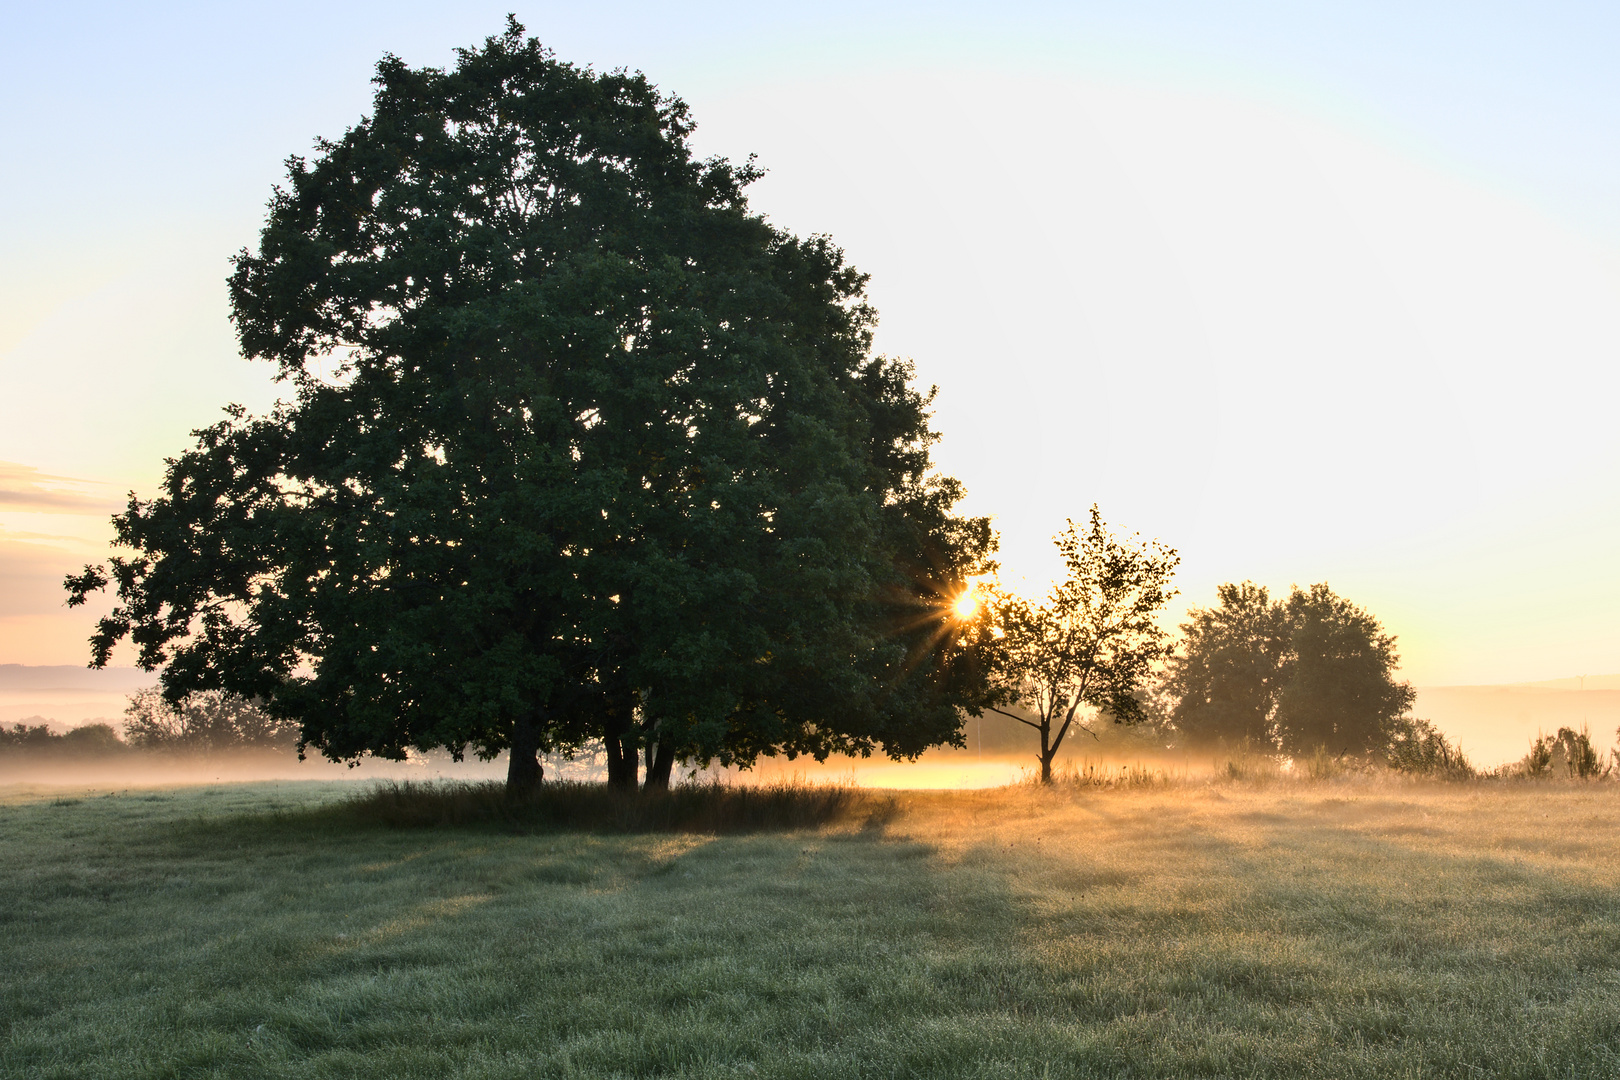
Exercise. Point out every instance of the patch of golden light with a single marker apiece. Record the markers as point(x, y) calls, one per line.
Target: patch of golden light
point(966, 604)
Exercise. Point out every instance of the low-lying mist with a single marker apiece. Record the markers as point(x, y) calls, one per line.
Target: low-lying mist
point(1496, 724)
point(151, 770)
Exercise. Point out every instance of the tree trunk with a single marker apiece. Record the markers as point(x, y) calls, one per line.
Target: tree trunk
point(523, 770)
point(622, 762)
point(1048, 752)
point(660, 767)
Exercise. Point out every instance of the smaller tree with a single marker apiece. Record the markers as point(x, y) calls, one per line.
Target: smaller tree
point(206, 720)
point(1091, 644)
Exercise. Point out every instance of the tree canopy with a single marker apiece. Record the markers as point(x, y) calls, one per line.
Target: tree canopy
point(1309, 672)
point(1339, 690)
point(1225, 675)
point(576, 447)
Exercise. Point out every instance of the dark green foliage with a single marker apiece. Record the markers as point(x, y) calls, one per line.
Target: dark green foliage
point(93, 739)
point(1314, 671)
point(578, 448)
point(1338, 689)
point(25, 736)
point(1538, 762)
point(88, 740)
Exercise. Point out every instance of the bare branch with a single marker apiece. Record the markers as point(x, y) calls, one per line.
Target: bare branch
point(1009, 715)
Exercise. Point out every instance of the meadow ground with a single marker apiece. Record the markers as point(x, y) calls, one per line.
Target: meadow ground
point(1348, 928)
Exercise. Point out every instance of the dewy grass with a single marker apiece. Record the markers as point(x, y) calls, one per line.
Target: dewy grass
point(1358, 928)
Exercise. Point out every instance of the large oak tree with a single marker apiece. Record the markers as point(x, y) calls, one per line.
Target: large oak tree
point(576, 447)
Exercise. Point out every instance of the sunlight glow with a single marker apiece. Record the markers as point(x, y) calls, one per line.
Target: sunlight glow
point(965, 605)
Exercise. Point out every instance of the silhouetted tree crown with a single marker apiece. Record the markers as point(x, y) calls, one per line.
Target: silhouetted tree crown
point(1314, 671)
point(1225, 676)
point(577, 447)
point(1339, 689)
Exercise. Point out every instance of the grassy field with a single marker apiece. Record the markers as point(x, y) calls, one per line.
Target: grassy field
point(1354, 928)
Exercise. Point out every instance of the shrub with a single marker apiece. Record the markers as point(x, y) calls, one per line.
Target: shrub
point(90, 740)
point(1252, 762)
point(1323, 765)
point(1416, 746)
point(26, 736)
point(1570, 752)
point(93, 739)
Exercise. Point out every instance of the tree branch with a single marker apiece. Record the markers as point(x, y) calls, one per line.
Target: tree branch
point(1010, 716)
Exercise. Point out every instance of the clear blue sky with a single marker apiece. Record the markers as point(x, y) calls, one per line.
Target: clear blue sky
point(1313, 291)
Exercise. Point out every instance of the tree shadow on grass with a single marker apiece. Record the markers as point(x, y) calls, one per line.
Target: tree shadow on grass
point(445, 933)
point(560, 806)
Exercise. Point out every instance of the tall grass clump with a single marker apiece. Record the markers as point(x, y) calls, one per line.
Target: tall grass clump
point(1252, 764)
point(569, 805)
point(1087, 773)
point(1322, 764)
point(1569, 753)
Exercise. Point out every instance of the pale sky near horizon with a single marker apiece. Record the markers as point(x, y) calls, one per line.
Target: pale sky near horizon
point(1312, 292)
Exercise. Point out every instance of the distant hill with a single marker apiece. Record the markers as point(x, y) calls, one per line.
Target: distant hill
point(1495, 724)
point(67, 696)
point(1578, 682)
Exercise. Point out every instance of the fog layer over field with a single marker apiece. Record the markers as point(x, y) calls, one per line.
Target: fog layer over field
point(1493, 724)
point(151, 770)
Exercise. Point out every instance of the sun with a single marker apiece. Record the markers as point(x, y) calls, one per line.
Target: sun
point(965, 605)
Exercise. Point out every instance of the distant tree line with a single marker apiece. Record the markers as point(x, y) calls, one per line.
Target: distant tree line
point(209, 720)
point(205, 722)
point(88, 740)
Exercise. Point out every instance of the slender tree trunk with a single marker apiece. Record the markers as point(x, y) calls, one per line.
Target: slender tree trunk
point(1048, 751)
point(523, 770)
point(659, 766)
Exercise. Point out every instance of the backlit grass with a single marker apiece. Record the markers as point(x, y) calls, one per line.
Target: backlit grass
point(1344, 929)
